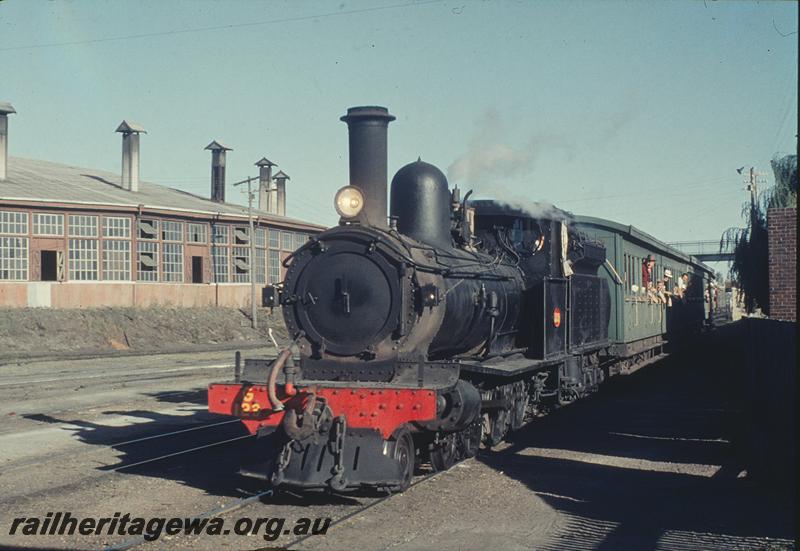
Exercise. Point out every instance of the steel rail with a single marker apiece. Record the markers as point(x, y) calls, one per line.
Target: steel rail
point(116, 376)
point(105, 447)
point(175, 454)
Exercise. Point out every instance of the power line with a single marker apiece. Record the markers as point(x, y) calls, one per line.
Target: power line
point(685, 204)
point(221, 27)
point(784, 118)
point(646, 191)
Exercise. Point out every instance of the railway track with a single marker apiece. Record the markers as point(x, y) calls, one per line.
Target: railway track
point(100, 448)
point(138, 375)
point(240, 503)
point(419, 480)
point(245, 500)
point(182, 452)
point(157, 466)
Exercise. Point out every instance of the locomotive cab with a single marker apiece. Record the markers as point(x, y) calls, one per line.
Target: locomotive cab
point(534, 242)
point(564, 303)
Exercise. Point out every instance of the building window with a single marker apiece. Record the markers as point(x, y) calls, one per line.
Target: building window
point(220, 234)
point(274, 239)
point(14, 258)
point(148, 229)
point(171, 231)
point(219, 257)
point(274, 267)
point(13, 222)
point(173, 262)
point(241, 236)
point(48, 224)
point(117, 259)
point(198, 233)
point(260, 265)
point(83, 259)
point(82, 226)
point(299, 240)
point(219, 253)
point(114, 226)
point(241, 264)
point(148, 261)
point(261, 238)
point(287, 241)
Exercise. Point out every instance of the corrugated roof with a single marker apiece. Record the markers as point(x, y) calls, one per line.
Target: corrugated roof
point(43, 181)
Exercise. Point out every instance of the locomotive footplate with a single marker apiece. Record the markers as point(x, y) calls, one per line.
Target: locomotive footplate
point(510, 366)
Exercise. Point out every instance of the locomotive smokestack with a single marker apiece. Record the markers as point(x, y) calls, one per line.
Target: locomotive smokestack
point(367, 128)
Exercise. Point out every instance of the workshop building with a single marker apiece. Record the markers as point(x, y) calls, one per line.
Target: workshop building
point(81, 238)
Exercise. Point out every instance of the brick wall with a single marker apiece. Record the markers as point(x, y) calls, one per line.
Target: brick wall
point(90, 294)
point(782, 228)
point(770, 402)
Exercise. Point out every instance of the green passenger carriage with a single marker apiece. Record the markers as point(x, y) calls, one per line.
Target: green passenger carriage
point(641, 323)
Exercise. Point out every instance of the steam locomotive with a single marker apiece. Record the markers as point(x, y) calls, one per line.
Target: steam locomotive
point(430, 332)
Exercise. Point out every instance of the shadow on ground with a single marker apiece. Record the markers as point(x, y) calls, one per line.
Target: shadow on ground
point(222, 447)
point(656, 460)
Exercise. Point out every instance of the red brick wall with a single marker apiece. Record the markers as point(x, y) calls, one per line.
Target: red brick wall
point(782, 228)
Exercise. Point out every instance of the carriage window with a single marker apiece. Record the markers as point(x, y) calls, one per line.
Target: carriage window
point(631, 272)
point(632, 276)
point(625, 272)
point(641, 279)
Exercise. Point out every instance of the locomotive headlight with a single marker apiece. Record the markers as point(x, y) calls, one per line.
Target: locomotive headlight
point(349, 201)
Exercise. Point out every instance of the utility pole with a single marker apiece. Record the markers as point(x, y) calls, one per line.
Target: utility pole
point(253, 312)
point(752, 187)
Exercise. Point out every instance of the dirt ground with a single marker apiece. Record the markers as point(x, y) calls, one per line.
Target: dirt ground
point(656, 460)
point(36, 332)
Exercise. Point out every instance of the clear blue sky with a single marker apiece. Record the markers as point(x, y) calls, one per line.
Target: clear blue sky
point(639, 112)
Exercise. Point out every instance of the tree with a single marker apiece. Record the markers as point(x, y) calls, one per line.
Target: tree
point(750, 265)
point(784, 192)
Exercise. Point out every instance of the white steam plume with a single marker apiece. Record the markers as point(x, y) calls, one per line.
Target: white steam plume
point(490, 161)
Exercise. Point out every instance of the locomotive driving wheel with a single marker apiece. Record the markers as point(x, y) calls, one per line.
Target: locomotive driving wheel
point(470, 439)
point(405, 455)
point(495, 427)
point(444, 453)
